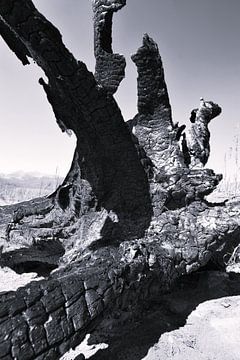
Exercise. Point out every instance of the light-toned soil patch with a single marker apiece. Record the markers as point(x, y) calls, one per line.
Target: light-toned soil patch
point(85, 349)
point(212, 332)
point(11, 281)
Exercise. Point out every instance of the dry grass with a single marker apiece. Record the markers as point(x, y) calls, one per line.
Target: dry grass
point(233, 264)
point(230, 184)
point(17, 189)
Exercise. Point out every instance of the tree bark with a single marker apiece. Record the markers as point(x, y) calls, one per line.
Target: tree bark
point(130, 216)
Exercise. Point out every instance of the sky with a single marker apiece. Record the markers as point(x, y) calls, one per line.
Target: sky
point(200, 47)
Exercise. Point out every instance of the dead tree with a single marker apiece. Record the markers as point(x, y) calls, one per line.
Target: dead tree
point(130, 217)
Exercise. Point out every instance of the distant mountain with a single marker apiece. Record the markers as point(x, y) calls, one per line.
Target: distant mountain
point(20, 186)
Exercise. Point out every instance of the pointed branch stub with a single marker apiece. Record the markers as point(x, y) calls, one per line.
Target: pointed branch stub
point(198, 137)
point(110, 67)
point(153, 97)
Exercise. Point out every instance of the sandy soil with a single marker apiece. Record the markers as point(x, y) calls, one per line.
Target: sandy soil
point(11, 281)
point(87, 350)
point(212, 332)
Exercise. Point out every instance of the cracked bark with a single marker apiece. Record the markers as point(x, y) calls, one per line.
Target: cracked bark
point(130, 214)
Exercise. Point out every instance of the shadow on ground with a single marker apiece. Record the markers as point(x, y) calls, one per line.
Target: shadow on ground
point(132, 340)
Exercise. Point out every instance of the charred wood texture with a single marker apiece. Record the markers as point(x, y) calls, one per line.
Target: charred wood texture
point(199, 134)
point(130, 217)
point(110, 67)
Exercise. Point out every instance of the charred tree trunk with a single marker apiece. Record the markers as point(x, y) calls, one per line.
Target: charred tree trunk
point(130, 216)
point(106, 176)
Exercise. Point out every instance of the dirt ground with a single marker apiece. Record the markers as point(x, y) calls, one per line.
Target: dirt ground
point(212, 332)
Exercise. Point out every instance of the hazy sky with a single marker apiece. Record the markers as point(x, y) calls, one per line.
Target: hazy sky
point(200, 46)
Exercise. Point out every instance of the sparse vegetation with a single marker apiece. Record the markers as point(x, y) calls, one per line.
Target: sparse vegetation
point(230, 184)
point(233, 264)
point(15, 188)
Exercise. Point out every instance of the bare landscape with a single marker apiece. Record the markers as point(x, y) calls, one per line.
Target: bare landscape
point(20, 186)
